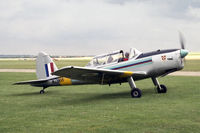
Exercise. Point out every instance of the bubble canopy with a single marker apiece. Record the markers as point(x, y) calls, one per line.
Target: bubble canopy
point(106, 58)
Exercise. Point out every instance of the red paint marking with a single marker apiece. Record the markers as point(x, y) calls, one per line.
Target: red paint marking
point(52, 68)
point(163, 57)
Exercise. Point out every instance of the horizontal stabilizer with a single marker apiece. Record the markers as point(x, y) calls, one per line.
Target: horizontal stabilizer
point(31, 82)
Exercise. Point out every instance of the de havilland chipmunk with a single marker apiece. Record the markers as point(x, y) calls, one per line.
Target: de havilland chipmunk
point(112, 68)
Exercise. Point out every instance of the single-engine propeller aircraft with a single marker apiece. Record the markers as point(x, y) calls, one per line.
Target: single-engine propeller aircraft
point(111, 68)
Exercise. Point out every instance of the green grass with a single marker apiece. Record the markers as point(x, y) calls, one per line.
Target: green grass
point(99, 109)
point(30, 64)
point(190, 65)
point(17, 64)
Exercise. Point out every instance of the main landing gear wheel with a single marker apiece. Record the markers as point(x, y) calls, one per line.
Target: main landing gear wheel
point(136, 93)
point(42, 92)
point(162, 89)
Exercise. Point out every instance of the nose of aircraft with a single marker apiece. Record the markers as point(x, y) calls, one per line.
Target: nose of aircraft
point(184, 52)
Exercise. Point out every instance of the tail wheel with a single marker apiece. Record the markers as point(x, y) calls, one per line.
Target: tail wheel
point(136, 93)
point(42, 91)
point(162, 89)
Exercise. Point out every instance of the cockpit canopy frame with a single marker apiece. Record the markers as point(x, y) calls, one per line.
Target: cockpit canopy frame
point(112, 58)
point(106, 58)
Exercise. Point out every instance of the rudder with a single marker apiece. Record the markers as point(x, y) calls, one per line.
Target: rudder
point(44, 66)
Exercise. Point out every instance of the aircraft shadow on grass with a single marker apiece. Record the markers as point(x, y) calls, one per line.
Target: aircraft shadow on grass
point(81, 98)
point(101, 97)
point(96, 97)
point(31, 94)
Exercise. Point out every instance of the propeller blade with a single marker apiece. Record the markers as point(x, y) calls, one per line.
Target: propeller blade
point(182, 40)
point(183, 51)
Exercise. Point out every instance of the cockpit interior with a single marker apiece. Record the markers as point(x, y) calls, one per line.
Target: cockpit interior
point(114, 57)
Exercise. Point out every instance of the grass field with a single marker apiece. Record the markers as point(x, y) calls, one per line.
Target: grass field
point(190, 65)
point(30, 64)
point(99, 109)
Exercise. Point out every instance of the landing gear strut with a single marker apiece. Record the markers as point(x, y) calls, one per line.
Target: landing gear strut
point(135, 92)
point(42, 91)
point(160, 88)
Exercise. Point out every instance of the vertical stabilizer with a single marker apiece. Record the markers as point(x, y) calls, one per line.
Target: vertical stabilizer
point(44, 66)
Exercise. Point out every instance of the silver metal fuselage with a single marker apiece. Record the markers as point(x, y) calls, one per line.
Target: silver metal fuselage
point(154, 65)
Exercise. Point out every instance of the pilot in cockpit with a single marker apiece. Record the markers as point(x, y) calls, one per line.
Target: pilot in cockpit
point(126, 56)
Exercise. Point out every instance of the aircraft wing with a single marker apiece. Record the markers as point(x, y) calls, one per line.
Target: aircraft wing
point(95, 74)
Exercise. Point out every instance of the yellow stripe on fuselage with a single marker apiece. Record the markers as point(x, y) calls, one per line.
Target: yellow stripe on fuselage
point(65, 81)
point(126, 74)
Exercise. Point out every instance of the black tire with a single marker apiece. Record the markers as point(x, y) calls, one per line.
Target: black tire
point(42, 92)
point(162, 89)
point(136, 93)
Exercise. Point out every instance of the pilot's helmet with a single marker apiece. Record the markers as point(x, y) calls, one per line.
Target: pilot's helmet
point(126, 54)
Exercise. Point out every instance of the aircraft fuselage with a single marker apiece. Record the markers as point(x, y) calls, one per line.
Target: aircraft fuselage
point(155, 64)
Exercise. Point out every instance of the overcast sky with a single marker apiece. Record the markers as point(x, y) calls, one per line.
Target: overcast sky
point(90, 27)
